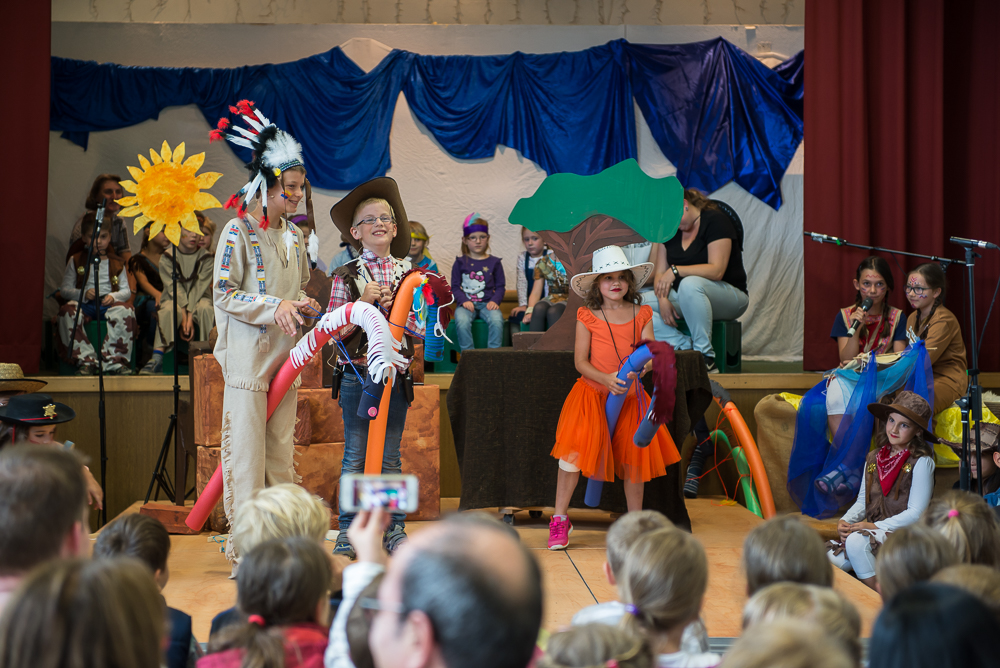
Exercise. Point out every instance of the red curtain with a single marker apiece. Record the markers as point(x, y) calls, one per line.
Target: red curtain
point(25, 116)
point(902, 151)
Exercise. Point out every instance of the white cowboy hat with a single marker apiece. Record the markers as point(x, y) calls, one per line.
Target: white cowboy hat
point(607, 260)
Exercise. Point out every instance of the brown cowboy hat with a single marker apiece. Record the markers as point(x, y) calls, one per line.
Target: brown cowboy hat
point(12, 379)
point(991, 439)
point(384, 187)
point(910, 405)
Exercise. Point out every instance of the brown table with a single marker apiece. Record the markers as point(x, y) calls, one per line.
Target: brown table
point(504, 405)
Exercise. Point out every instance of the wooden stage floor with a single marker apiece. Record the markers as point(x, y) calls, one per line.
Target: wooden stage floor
point(199, 583)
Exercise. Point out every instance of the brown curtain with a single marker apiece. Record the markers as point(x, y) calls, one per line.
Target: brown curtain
point(902, 151)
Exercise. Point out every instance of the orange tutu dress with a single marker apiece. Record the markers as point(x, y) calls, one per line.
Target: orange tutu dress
point(582, 437)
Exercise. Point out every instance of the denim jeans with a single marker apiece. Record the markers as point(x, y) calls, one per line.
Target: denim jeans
point(356, 436)
point(699, 301)
point(463, 325)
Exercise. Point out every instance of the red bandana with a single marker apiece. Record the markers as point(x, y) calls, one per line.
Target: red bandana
point(889, 466)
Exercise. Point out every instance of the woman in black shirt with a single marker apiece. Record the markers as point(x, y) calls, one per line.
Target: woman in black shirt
point(700, 275)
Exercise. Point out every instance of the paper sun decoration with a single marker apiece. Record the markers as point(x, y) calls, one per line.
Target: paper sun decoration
point(167, 192)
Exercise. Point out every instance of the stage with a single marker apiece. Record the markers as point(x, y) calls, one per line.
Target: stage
point(199, 573)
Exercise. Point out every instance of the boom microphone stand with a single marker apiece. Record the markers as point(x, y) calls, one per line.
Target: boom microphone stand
point(94, 260)
point(161, 476)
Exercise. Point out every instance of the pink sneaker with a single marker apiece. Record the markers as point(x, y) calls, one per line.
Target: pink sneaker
point(559, 531)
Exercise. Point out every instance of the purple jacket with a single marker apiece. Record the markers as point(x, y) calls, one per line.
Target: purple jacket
point(477, 280)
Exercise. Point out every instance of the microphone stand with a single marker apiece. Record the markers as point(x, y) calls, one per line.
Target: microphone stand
point(161, 475)
point(945, 261)
point(94, 260)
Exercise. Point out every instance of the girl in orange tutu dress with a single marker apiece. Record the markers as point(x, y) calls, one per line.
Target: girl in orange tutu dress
point(607, 329)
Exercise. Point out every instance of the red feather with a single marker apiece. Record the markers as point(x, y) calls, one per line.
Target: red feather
point(233, 109)
point(232, 202)
point(265, 223)
point(215, 135)
point(245, 107)
point(223, 123)
point(664, 379)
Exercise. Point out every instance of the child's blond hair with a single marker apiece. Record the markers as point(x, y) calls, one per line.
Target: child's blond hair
point(911, 554)
point(980, 580)
point(968, 524)
point(596, 645)
point(783, 549)
point(626, 529)
point(372, 200)
point(787, 643)
point(281, 511)
point(822, 605)
point(663, 581)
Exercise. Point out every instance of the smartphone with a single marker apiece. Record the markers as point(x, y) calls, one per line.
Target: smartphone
point(392, 492)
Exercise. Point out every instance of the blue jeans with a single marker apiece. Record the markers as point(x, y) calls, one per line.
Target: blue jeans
point(463, 325)
point(356, 436)
point(699, 301)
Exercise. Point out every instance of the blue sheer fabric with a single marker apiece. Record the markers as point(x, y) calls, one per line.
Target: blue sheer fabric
point(717, 113)
point(839, 464)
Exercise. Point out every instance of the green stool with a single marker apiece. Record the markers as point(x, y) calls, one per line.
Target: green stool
point(96, 340)
point(170, 355)
point(727, 342)
point(480, 339)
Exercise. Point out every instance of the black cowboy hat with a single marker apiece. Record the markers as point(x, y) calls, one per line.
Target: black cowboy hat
point(35, 410)
point(385, 188)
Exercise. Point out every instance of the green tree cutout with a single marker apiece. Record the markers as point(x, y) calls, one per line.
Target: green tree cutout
point(576, 215)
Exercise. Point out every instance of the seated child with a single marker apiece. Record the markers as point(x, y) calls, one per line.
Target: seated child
point(281, 592)
point(194, 297)
point(622, 534)
point(146, 539)
point(106, 612)
point(788, 643)
point(478, 284)
point(783, 549)
point(981, 581)
point(549, 278)
point(990, 464)
point(534, 251)
point(663, 584)
point(207, 227)
point(968, 524)
point(115, 308)
point(594, 645)
point(34, 418)
point(280, 511)
point(896, 487)
point(420, 257)
point(144, 267)
point(910, 555)
point(821, 605)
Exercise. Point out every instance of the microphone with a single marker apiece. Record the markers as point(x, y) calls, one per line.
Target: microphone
point(99, 217)
point(865, 305)
point(973, 243)
point(824, 238)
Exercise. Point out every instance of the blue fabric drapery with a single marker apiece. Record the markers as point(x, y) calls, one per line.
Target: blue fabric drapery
point(716, 112)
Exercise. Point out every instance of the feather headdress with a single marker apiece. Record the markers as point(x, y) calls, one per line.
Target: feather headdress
point(274, 151)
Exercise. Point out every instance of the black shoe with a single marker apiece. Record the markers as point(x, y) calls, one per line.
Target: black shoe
point(710, 363)
point(393, 538)
point(343, 546)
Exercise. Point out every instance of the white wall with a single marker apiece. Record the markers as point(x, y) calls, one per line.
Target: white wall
point(438, 190)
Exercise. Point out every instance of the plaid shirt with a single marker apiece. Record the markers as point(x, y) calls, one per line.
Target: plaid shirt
point(372, 267)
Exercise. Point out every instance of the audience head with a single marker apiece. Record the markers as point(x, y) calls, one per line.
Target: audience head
point(359, 626)
point(787, 644)
point(533, 243)
point(106, 187)
point(981, 581)
point(968, 524)
point(623, 533)
point(823, 606)
point(926, 286)
point(280, 582)
point(783, 549)
point(463, 592)
point(43, 507)
point(88, 614)
point(934, 625)
point(139, 536)
point(663, 581)
point(910, 555)
point(475, 234)
point(281, 511)
point(419, 240)
point(592, 645)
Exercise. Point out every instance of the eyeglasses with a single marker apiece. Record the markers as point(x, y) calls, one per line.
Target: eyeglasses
point(370, 220)
point(371, 606)
point(915, 290)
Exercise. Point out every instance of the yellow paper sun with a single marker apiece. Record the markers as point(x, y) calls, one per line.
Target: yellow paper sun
point(167, 192)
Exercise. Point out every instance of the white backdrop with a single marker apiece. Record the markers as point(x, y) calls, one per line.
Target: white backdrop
point(438, 190)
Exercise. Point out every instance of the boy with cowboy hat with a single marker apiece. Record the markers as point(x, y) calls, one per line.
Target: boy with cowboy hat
point(13, 382)
point(373, 217)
